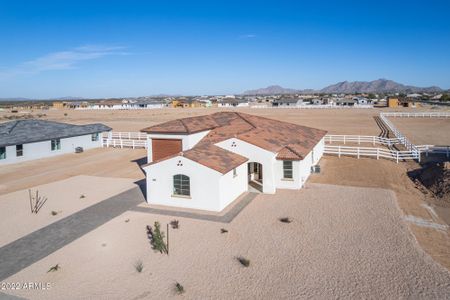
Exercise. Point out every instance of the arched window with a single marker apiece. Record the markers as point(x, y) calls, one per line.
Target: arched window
point(181, 185)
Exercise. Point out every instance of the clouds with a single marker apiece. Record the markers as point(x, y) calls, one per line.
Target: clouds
point(63, 60)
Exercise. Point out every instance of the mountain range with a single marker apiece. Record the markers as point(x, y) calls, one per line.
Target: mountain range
point(349, 87)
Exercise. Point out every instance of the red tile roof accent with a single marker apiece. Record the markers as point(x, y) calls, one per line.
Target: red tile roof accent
point(287, 140)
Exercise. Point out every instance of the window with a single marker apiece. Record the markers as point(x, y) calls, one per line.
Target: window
point(181, 185)
point(234, 172)
point(2, 153)
point(56, 144)
point(94, 137)
point(287, 169)
point(19, 150)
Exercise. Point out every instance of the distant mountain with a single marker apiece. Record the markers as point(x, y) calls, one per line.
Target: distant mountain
point(346, 87)
point(376, 86)
point(271, 90)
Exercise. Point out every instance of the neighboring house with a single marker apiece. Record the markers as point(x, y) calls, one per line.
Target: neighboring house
point(287, 102)
point(228, 102)
point(316, 101)
point(207, 162)
point(32, 139)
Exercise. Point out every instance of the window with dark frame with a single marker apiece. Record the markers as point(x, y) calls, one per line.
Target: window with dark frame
point(19, 150)
point(2, 152)
point(181, 185)
point(234, 172)
point(56, 144)
point(287, 169)
point(94, 137)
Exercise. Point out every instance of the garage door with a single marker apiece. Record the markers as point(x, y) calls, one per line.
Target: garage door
point(162, 148)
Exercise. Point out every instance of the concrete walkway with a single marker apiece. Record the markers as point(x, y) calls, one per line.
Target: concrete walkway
point(226, 218)
point(31, 248)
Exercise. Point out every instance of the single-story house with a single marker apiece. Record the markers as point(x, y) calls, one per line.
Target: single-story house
point(287, 102)
point(24, 140)
point(206, 162)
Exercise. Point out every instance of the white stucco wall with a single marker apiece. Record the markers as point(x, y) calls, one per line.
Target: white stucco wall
point(254, 154)
point(210, 190)
point(43, 149)
point(188, 141)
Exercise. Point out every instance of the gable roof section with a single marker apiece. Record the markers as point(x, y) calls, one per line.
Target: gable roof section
point(31, 131)
point(287, 140)
point(210, 156)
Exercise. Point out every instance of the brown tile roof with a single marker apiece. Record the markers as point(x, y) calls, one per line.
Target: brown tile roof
point(287, 140)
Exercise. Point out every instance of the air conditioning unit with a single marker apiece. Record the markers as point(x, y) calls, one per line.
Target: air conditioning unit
point(315, 169)
point(79, 149)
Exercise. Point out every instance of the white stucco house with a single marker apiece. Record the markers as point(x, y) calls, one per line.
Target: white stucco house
point(207, 162)
point(25, 140)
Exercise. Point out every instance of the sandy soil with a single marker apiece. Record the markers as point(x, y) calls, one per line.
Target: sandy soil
point(344, 242)
point(367, 172)
point(63, 197)
point(425, 131)
point(105, 162)
point(336, 121)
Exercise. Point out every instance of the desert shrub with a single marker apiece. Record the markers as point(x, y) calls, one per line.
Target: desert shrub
point(179, 288)
point(54, 213)
point(223, 230)
point(245, 262)
point(156, 238)
point(82, 196)
point(139, 266)
point(174, 224)
point(285, 220)
point(54, 268)
point(65, 114)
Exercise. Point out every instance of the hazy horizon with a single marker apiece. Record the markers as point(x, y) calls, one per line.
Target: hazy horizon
point(92, 50)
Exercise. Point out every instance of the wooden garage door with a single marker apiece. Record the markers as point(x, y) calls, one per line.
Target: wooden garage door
point(163, 147)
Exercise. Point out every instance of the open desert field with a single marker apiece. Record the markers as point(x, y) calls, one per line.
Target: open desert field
point(425, 131)
point(336, 121)
point(343, 242)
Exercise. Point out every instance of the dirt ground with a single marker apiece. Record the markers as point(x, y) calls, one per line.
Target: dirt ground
point(64, 197)
point(105, 162)
point(425, 131)
point(336, 121)
point(343, 242)
point(386, 174)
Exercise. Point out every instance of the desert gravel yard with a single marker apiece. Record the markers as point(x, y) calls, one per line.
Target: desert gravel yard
point(343, 242)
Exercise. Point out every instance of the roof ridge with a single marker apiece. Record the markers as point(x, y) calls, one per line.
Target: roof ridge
point(184, 125)
point(240, 116)
point(293, 151)
point(14, 126)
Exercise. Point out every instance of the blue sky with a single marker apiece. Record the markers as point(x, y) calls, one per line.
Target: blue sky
point(134, 48)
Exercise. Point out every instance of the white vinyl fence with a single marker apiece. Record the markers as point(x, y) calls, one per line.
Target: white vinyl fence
point(317, 106)
point(133, 140)
point(330, 138)
point(368, 152)
point(417, 114)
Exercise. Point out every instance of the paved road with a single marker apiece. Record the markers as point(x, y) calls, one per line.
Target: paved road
point(226, 218)
point(41, 243)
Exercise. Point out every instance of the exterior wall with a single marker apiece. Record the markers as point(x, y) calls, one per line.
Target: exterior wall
point(311, 159)
point(282, 183)
point(254, 154)
point(188, 141)
point(232, 186)
point(210, 190)
point(43, 149)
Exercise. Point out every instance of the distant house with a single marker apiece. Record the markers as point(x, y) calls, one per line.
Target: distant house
point(24, 140)
point(287, 102)
point(228, 102)
point(316, 101)
point(346, 102)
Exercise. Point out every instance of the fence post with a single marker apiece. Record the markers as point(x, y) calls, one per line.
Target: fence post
point(133, 144)
point(344, 139)
point(373, 140)
point(359, 140)
point(121, 143)
point(358, 152)
point(378, 153)
point(397, 156)
point(339, 151)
